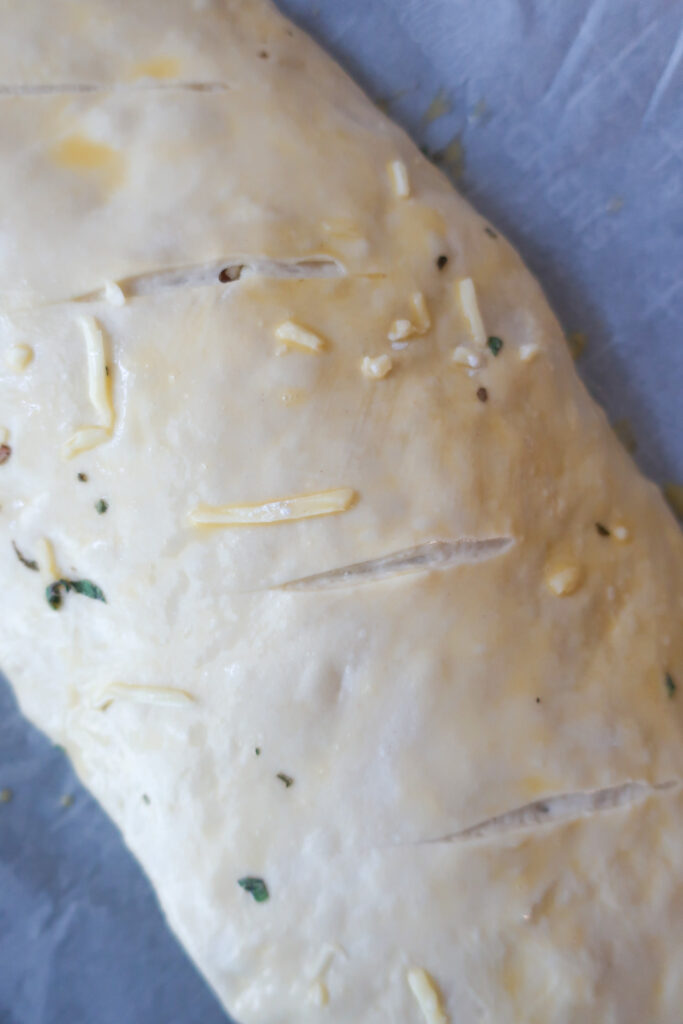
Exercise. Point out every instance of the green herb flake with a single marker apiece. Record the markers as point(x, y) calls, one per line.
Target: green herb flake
point(490, 232)
point(67, 800)
point(5, 796)
point(495, 344)
point(287, 779)
point(670, 685)
point(28, 562)
point(257, 751)
point(256, 887)
point(53, 593)
point(602, 530)
point(442, 261)
point(146, 799)
point(101, 506)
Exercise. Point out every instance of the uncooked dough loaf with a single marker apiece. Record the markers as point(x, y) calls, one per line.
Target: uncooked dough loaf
point(316, 555)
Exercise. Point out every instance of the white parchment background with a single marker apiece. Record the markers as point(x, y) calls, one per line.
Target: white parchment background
point(570, 114)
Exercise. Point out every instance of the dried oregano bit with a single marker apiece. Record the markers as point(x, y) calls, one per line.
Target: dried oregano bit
point(670, 685)
point(490, 232)
point(30, 563)
point(442, 261)
point(495, 344)
point(53, 593)
point(287, 779)
point(83, 477)
point(101, 506)
point(256, 887)
point(602, 530)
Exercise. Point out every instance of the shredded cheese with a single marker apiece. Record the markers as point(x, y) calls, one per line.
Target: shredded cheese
point(564, 580)
point(318, 993)
point(19, 357)
point(376, 368)
point(292, 334)
point(302, 506)
point(47, 563)
point(426, 995)
point(98, 380)
point(466, 357)
point(83, 440)
point(528, 352)
point(114, 294)
point(422, 318)
point(99, 392)
point(161, 696)
point(467, 297)
point(398, 175)
point(401, 329)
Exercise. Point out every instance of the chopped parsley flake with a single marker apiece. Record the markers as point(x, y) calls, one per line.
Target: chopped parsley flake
point(670, 685)
point(146, 799)
point(258, 751)
point(53, 592)
point(602, 530)
point(256, 887)
point(30, 563)
point(490, 232)
point(287, 779)
point(495, 344)
point(101, 506)
point(5, 796)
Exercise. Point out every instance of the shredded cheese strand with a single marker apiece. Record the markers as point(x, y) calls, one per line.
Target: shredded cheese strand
point(467, 297)
point(98, 380)
point(83, 440)
point(161, 696)
point(292, 334)
point(426, 995)
point(281, 510)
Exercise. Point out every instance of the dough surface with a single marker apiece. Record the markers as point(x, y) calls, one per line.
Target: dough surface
point(383, 619)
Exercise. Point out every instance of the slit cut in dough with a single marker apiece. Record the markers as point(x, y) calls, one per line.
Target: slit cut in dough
point(434, 554)
point(554, 809)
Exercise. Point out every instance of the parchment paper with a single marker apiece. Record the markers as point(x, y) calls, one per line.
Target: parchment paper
point(562, 120)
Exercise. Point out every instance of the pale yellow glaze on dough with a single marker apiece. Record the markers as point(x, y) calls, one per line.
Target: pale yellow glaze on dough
point(407, 709)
